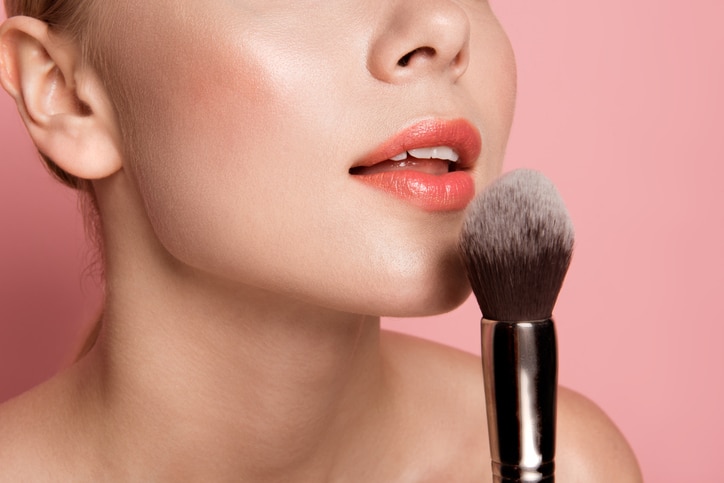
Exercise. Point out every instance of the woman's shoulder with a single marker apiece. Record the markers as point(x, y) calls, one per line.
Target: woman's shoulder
point(21, 438)
point(589, 445)
point(448, 384)
point(39, 436)
point(12, 440)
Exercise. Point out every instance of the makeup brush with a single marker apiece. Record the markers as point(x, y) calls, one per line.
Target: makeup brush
point(516, 243)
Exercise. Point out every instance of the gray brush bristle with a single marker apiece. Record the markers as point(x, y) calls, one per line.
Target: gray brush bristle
point(517, 243)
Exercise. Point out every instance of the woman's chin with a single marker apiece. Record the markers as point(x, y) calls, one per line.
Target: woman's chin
point(427, 304)
point(418, 297)
point(417, 290)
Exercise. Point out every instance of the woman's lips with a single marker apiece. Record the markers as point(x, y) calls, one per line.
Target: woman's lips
point(438, 180)
point(432, 192)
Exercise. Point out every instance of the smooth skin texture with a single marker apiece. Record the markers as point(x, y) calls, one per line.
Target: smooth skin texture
point(246, 268)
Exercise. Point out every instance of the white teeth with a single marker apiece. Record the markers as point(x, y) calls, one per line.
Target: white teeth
point(436, 152)
point(400, 157)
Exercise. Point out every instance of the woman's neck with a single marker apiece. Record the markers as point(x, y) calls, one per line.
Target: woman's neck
point(193, 379)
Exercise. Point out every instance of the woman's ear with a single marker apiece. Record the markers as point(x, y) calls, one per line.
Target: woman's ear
point(64, 105)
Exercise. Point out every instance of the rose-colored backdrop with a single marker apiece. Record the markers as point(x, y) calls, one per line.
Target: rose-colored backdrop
point(622, 104)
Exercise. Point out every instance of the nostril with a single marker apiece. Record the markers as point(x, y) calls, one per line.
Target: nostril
point(405, 59)
point(421, 51)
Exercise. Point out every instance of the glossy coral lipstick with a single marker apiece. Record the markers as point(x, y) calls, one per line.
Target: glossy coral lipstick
point(427, 164)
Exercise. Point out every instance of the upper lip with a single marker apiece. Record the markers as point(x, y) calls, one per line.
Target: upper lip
point(458, 134)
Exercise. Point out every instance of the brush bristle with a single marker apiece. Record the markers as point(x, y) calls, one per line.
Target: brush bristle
point(517, 243)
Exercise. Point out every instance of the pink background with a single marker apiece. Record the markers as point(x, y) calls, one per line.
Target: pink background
point(622, 104)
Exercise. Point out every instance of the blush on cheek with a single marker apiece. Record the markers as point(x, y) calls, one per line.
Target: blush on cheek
point(217, 73)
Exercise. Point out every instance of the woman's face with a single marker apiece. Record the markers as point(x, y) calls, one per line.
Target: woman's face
point(248, 121)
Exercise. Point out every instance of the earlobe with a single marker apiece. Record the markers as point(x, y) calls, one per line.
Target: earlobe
point(61, 99)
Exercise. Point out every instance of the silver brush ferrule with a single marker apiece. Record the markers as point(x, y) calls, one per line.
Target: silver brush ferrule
point(520, 365)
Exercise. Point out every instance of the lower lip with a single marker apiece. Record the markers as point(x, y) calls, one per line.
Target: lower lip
point(446, 192)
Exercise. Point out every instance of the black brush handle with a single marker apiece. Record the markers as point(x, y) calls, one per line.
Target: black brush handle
point(520, 365)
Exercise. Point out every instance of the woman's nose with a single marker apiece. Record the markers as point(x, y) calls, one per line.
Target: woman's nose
point(417, 38)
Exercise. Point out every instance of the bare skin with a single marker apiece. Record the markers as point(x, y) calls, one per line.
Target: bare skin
point(426, 424)
point(241, 254)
